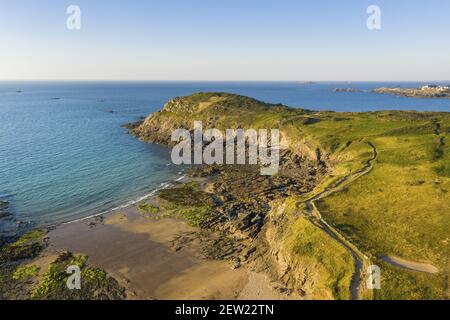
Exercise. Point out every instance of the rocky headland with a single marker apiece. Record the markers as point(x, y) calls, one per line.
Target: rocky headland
point(294, 235)
point(429, 91)
point(263, 216)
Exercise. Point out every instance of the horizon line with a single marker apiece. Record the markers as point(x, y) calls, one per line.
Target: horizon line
point(206, 80)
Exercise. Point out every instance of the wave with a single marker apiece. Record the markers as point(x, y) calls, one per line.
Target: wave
point(162, 186)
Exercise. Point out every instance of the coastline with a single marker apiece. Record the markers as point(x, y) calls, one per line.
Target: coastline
point(139, 252)
point(208, 235)
point(127, 204)
point(144, 255)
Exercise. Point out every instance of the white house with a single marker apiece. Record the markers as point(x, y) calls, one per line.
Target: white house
point(429, 86)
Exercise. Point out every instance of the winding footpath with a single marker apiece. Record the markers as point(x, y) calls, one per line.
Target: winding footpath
point(361, 260)
point(410, 265)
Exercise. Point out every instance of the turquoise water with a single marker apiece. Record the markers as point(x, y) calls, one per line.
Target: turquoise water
point(64, 155)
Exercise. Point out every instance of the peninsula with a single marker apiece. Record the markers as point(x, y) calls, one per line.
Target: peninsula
point(427, 91)
point(353, 190)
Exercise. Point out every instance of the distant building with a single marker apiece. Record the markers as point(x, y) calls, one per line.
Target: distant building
point(429, 86)
point(433, 86)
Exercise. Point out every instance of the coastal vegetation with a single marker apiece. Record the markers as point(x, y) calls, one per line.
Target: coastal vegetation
point(187, 201)
point(147, 208)
point(401, 207)
point(398, 207)
point(353, 189)
point(335, 264)
point(307, 259)
point(25, 273)
point(20, 279)
point(96, 284)
point(27, 246)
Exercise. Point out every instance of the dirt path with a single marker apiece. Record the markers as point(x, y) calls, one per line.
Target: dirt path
point(410, 265)
point(361, 260)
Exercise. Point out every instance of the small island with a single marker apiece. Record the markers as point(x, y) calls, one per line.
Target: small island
point(427, 91)
point(348, 90)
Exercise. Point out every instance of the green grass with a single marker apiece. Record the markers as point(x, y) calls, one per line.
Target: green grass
point(27, 246)
point(398, 208)
point(25, 273)
point(443, 170)
point(399, 284)
point(186, 194)
point(334, 264)
point(29, 237)
point(95, 283)
point(401, 207)
point(147, 208)
point(186, 201)
point(195, 215)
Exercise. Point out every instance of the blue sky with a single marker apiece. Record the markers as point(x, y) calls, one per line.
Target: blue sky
point(225, 40)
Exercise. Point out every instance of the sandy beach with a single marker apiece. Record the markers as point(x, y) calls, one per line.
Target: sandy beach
point(138, 252)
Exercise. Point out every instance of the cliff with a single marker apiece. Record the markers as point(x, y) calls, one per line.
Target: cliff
point(325, 157)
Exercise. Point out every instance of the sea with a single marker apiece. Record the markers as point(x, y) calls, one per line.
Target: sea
point(64, 155)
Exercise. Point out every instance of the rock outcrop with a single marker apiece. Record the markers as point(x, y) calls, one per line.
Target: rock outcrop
point(242, 198)
point(242, 192)
point(424, 92)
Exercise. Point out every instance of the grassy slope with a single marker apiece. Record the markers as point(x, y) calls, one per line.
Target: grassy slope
point(220, 110)
point(307, 260)
point(310, 245)
point(401, 207)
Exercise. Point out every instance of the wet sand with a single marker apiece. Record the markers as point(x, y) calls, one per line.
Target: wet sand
point(136, 250)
